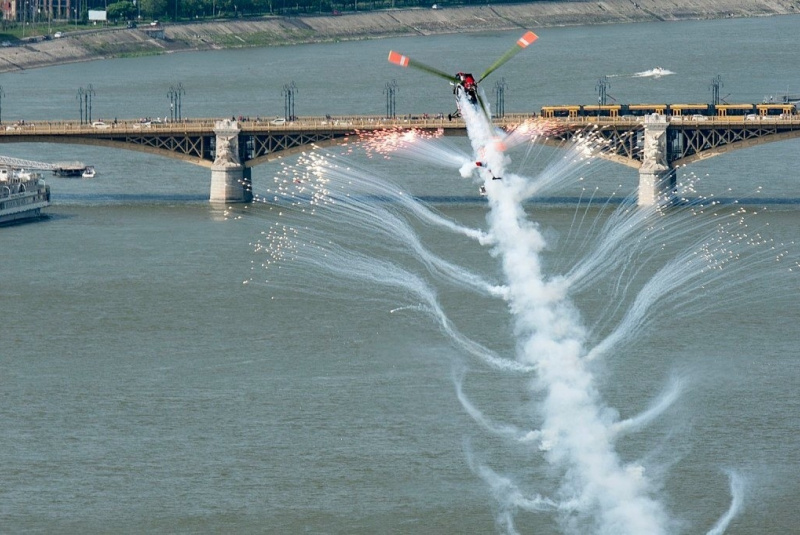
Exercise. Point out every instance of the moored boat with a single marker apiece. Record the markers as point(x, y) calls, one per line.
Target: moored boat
point(69, 169)
point(23, 194)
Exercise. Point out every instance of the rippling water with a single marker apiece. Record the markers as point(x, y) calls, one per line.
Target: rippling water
point(146, 388)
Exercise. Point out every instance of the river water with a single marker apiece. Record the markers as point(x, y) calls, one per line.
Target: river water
point(155, 377)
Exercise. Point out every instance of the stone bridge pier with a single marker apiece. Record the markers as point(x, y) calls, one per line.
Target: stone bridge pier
point(657, 183)
point(231, 182)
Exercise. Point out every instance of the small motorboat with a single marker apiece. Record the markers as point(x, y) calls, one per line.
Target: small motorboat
point(88, 172)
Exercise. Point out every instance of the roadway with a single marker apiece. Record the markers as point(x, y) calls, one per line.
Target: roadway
point(359, 122)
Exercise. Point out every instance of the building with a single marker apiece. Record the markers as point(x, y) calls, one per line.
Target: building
point(33, 11)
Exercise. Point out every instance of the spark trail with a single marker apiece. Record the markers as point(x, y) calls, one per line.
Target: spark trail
point(590, 488)
point(608, 497)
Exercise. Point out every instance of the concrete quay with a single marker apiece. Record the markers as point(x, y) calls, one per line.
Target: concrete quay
point(88, 45)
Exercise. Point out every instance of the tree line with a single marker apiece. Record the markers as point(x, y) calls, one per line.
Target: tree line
point(186, 10)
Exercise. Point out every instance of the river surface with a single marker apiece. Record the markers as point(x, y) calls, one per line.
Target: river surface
point(154, 377)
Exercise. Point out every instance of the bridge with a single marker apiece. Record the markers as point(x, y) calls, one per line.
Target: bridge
point(653, 144)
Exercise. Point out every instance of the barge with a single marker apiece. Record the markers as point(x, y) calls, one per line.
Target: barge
point(23, 195)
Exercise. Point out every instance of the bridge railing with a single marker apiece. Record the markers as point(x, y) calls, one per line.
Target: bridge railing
point(339, 123)
point(206, 125)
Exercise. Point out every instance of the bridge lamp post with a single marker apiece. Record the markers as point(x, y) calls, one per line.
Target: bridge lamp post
point(174, 95)
point(89, 95)
point(179, 90)
point(171, 97)
point(288, 101)
point(80, 102)
point(500, 97)
point(602, 90)
point(2, 94)
point(716, 84)
point(390, 91)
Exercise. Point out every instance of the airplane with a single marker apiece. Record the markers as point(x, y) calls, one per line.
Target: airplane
point(464, 83)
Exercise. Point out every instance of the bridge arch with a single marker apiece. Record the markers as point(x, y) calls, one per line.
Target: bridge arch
point(98, 142)
point(687, 139)
point(736, 145)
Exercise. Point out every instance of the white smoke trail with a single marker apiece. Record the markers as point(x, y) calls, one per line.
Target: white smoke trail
point(503, 430)
point(612, 499)
point(355, 200)
point(332, 212)
point(415, 145)
point(738, 488)
point(511, 497)
point(577, 154)
point(727, 251)
point(578, 431)
point(348, 183)
point(609, 498)
point(654, 411)
point(571, 426)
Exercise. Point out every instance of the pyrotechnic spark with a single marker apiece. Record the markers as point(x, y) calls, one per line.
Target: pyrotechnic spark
point(571, 428)
point(387, 142)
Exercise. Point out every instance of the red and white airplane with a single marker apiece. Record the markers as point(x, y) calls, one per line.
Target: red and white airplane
point(464, 83)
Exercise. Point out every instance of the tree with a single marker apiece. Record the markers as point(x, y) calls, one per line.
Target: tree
point(123, 10)
point(154, 9)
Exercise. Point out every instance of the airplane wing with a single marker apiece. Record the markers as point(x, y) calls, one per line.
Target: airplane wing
point(405, 61)
point(521, 43)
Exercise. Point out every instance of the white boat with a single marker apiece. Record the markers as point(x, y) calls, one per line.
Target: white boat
point(24, 175)
point(88, 172)
point(22, 194)
point(658, 72)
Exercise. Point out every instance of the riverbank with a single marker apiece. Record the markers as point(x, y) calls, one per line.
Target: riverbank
point(90, 45)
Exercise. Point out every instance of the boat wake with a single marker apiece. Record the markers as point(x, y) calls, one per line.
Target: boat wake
point(657, 72)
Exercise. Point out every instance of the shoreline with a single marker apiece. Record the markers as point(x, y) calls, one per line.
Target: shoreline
point(90, 45)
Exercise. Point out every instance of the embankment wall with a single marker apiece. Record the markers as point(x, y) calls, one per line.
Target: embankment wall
point(90, 45)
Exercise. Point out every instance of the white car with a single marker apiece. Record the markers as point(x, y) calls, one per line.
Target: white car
point(279, 121)
point(58, 35)
point(100, 124)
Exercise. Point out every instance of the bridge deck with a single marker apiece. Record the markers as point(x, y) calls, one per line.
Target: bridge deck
point(193, 140)
point(351, 123)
